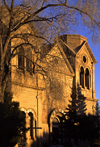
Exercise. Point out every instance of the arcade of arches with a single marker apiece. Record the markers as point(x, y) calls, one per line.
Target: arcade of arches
point(30, 123)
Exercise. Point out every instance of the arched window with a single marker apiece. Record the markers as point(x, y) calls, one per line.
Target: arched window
point(90, 82)
point(84, 59)
point(87, 78)
point(29, 60)
point(21, 58)
point(31, 124)
point(24, 116)
point(82, 77)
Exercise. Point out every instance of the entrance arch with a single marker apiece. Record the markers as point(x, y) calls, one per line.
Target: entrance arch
point(55, 129)
point(55, 119)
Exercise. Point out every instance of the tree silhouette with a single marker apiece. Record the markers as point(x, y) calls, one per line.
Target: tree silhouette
point(75, 124)
point(97, 140)
point(12, 121)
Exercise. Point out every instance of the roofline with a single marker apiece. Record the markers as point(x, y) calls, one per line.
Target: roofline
point(90, 51)
point(68, 46)
point(62, 52)
point(77, 35)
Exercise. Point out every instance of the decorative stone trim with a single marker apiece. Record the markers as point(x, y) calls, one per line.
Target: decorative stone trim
point(23, 109)
point(29, 110)
point(54, 115)
point(33, 112)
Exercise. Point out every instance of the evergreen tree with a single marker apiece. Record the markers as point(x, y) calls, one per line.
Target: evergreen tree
point(97, 141)
point(68, 124)
point(76, 124)
point(12, 122)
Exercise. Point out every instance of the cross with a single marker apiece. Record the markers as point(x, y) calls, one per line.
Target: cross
point(39, 145)
point(37, 127)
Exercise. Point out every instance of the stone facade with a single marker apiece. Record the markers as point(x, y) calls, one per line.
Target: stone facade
point(69, 64)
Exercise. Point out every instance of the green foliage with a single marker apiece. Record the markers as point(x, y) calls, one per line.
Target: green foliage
point(12, 121)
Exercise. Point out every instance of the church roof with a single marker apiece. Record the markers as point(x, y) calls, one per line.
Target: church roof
point(69, 46)
point(91, 53)
point(75, 42)
point(66, 60)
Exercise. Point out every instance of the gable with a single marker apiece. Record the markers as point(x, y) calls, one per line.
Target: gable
point(91, 54)
point(86, 51)
point(58, 60)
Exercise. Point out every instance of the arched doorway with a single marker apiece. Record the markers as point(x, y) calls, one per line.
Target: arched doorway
point(55, 132)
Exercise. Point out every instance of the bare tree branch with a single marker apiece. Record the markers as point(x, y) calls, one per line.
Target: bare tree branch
point(5, 3)
point(27, 20)
point(12, 3)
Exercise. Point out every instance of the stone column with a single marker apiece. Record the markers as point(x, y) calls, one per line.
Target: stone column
point(38, 123)
point(34, 137)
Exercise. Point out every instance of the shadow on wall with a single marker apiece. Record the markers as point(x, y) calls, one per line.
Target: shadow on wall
point(56, 90)
point(41, 141)
point(54, 94)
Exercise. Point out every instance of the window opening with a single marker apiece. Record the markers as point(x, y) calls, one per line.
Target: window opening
point(21, 58)
point(29, 61)
point(84, 59)
point(87, 78)
point(82, 77)
point(31, 125)
point(55, 61)
point(90, 81)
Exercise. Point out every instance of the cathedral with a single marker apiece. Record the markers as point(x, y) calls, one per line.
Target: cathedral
point(64, 71)
point(45, 79)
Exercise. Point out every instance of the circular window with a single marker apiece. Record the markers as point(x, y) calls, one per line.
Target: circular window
point(55, 61)
point(84, 59)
